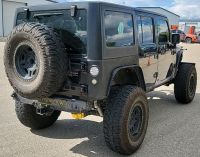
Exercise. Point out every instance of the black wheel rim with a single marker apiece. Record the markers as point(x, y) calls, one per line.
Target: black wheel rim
point(135, 121)
point(188, 40)
point(191, 85)
point(26, 62)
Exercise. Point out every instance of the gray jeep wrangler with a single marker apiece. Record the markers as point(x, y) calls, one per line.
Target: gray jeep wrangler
point(94, 58)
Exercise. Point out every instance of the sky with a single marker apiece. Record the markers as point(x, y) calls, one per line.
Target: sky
point(186, 9)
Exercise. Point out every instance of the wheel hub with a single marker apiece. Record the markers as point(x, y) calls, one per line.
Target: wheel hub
point(26, 62)
point(191, 85)
point(135, 121)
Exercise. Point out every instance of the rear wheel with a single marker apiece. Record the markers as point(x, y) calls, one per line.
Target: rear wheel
point(188, 40)
point(126, 119)
point(27, 116)
point(185, 83)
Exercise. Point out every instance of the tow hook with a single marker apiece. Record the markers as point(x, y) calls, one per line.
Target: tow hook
point(42, 109)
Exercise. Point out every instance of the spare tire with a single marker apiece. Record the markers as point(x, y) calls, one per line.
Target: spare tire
point(35, 60)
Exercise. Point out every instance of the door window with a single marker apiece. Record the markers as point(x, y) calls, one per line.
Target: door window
point(145, 30)
point(139, 28)
point(163, 30)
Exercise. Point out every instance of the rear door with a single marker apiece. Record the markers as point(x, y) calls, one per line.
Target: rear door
point(118, 33)
point(147, 47)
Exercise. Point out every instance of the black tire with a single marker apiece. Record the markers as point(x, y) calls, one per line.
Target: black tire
point(27, 116)
point(35, 60)
point(119, 113)
point(188, 40)
point(185, 83)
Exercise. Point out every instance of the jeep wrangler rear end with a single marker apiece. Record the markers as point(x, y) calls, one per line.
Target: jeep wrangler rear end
point(94, 58)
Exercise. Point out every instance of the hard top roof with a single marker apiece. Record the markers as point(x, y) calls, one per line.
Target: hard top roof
point(83, 4)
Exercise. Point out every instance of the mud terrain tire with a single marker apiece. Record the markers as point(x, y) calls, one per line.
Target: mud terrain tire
point(185, 83)
point(35, 60)
point(27, 116)
point(126, 119)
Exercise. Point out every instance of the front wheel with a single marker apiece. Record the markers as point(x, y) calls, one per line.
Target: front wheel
point(126, 119)
point(185, 83)
point(188, 40)
point(27, 116)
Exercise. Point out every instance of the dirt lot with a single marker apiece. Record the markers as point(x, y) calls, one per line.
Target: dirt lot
point(173, 131)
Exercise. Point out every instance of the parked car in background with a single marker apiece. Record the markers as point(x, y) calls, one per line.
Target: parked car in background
point(188, 38)
point(198, 36)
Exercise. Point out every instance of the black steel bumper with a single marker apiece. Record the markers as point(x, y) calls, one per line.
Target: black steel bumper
point(61, 104)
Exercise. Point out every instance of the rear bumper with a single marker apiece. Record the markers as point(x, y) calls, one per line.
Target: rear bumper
point(60, 104)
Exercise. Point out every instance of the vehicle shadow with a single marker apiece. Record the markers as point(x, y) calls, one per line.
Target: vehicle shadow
point(93, 143)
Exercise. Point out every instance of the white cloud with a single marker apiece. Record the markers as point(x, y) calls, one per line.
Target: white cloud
point(186, 9)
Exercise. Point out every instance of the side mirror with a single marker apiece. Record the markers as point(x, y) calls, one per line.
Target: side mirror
point(176, 38)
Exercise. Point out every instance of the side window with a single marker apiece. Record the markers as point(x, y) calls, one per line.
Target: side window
point(139, 28)
point(20, 18)
point(174, 31)
point(118, 29)
point(145, 29)
point(163, 30)
point(179, 32)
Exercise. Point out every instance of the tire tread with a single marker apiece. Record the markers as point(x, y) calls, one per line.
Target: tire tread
point(55, 60)
point(182, 82)
point(27, 116)
point(112, 118)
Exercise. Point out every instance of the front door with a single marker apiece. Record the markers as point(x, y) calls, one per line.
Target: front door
point(165, 65)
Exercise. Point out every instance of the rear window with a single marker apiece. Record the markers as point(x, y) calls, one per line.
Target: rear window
point(118, 29)
point(72, 30)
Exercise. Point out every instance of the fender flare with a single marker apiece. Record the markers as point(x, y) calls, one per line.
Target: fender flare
point(139, 73)
point(179, 57)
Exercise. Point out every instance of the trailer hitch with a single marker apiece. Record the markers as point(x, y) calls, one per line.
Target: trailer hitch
point(43, 109)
